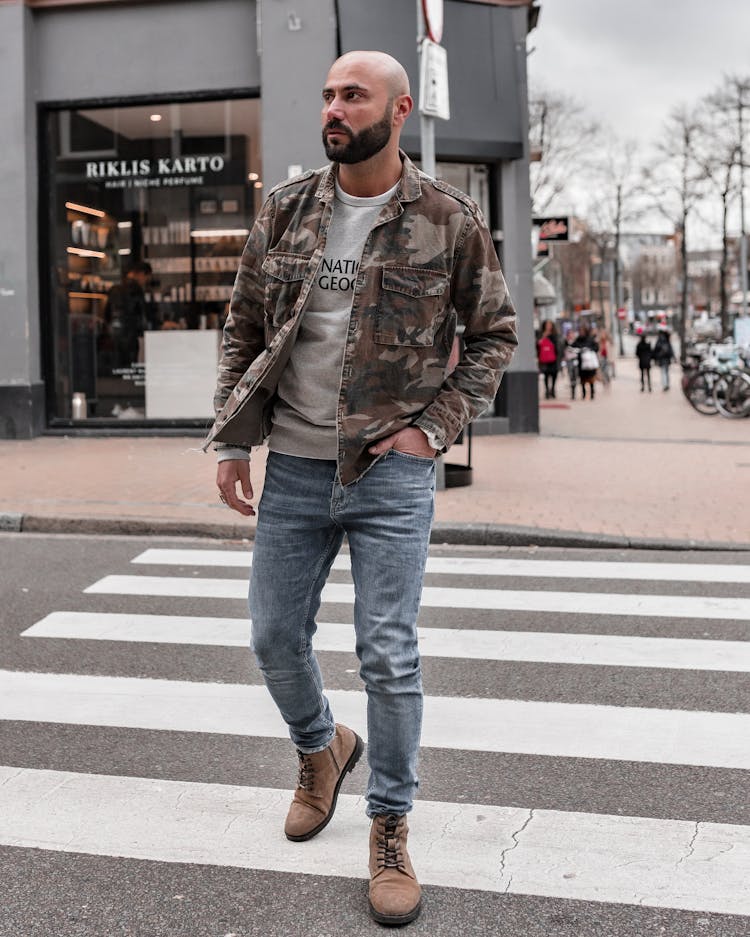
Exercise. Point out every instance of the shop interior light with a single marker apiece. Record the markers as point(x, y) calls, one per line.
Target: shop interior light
point(123, 251)
point(220, 233)
point(86, 211)
point(124, 224)
point(156, 118)
point(252, 176)
point(84, 252)
point(258, 184)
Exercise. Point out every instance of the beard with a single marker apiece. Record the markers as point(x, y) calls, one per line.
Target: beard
point(360, 146)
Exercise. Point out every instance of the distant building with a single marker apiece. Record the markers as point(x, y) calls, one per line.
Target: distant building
point(650, 275)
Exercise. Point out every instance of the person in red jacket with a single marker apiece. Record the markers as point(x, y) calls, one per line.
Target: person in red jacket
point(548, 355)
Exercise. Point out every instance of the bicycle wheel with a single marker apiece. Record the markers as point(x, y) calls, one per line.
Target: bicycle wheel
point(732, 395)
point(699, 390)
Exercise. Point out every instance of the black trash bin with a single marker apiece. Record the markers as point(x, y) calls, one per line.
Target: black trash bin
point(456, 474)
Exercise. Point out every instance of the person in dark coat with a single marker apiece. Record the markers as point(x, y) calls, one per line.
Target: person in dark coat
point(663, 355)
point(644, 353)
point(126, 313)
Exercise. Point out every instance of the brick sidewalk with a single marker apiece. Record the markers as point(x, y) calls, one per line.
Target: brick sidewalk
point(626, 464)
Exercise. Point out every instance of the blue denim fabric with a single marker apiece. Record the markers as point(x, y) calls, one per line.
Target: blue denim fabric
point(386, 516)
point(664, 365)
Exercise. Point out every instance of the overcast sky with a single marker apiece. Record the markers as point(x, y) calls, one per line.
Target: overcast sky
point(631, 61)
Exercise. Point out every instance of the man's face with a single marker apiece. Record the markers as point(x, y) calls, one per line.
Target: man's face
point(139, 277)
point(343, 145)
point(357, 115)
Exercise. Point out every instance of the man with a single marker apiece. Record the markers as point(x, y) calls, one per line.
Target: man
point(126, 313)
point(341, 325)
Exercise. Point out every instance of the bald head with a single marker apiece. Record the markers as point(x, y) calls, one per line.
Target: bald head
point(380, 67)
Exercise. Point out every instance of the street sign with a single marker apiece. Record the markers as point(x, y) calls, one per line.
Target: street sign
point(621, 313)
point(433, 81)
point(433, 18)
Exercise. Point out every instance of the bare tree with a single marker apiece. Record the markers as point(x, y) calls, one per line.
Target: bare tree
point(618, 202)
point(562, 139)
point(723, 159)
point(675, 183)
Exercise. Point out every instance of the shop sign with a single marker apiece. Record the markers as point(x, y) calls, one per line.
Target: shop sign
point(161, 171)
point(552, 229)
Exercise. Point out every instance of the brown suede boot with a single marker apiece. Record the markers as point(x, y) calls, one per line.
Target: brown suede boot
point(320, 777)
point(395, 895)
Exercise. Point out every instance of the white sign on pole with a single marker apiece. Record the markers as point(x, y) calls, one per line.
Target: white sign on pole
point(742, 332)
point(433, 81)
point(433, 18)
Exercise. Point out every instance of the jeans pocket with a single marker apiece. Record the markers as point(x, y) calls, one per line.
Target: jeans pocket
point(427, 460)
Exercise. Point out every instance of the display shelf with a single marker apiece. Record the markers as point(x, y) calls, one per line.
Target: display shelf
point(217, 256)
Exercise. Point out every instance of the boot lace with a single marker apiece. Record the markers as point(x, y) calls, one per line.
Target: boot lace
point(389, 844)
point(306, 769)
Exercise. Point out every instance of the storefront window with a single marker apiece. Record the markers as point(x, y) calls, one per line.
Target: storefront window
point(472, 178)
point(150, 208)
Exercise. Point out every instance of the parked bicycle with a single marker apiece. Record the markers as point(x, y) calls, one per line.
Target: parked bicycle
point(716, 379)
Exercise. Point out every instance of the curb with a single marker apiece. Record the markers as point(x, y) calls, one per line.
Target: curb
point(503, 535)
point(478, 535)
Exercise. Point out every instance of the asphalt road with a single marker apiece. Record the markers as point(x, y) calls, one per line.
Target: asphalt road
point(78, 883)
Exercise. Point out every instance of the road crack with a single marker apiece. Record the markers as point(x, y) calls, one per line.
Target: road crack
point(691, 845)
point(509, 849)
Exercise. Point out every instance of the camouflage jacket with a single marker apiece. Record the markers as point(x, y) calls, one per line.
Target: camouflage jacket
point(428, 264)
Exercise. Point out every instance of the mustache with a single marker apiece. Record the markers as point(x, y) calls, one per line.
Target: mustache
point(334, 124)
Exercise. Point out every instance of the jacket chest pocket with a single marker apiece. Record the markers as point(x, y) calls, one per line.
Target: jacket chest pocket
point(284, 274)
point(411, 305)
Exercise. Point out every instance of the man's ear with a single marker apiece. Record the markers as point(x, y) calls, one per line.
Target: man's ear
point(402, 107)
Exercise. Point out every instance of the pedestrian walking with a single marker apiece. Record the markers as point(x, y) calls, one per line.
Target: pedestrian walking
point(663, 355)
point(350, 288)
point(644, 353)
point(570, 358)
point(606, 364)
point(548, 356)
point(588, 360)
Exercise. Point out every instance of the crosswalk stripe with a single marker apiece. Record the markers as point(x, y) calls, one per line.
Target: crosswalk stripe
point(480, 566)
point(572, 730)
point(543, 647)
point(582, 603)
point(596, 857)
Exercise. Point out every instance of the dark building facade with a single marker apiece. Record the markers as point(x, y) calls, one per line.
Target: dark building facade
point(141, 139)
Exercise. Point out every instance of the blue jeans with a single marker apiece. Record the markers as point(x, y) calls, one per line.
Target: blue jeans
point(386, 516)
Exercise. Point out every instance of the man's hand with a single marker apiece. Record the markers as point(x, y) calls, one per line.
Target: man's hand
point(411, 440)
point(228, 473)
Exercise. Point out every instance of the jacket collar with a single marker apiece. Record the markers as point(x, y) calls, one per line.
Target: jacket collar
point(409, 188)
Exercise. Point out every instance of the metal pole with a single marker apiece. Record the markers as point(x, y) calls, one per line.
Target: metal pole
point(614, 316)
point(620, 304)
point(426, 124)
point(427, 153)
point(743, 235)
point(743, 262)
